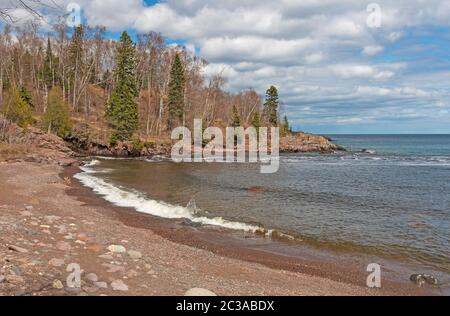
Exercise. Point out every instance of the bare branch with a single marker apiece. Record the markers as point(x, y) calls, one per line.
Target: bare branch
point(31, 6)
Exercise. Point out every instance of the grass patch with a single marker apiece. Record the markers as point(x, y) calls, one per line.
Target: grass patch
point(13, 151)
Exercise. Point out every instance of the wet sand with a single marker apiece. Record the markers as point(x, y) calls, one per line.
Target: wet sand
point(46, 212)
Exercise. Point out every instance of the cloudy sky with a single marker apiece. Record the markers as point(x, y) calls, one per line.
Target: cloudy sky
point(336, 72)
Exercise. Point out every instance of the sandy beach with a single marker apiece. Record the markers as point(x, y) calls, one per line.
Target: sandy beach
point(48, 221)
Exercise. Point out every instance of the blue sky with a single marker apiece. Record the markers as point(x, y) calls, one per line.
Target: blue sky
point(335, 73)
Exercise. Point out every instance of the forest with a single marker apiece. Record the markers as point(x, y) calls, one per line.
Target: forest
point(118, 90)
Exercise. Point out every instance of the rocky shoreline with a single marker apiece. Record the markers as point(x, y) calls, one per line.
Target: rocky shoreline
point(48, 234)
point(45, 231)
point(82, 142)
point(44, 147)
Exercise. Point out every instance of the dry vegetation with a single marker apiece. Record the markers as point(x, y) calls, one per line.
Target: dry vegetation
point(13, 151)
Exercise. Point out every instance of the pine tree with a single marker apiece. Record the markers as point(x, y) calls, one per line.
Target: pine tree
point(75, 62)
point(176, 93)
point(57, 115)
point(121, 110)
point(236, 119)
point(76, 48)
point(286, 128)
point(26, 97)
point(17, 110)
point(271, 106)
point(256, 121)
point(47, 71)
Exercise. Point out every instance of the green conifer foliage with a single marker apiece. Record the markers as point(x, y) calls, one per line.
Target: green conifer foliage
point(235, 119)
point(256, 121)
point(176, 93)
point(121, 110)
point(26, 96)
point(271, 106)
point(286, 127)
point(47, 71)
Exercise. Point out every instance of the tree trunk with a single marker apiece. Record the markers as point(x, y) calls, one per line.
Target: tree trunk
point(1, 86)
point(149, 107)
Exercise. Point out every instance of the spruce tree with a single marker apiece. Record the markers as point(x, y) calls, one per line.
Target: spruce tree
point(57, 115)
point(47, 72)
point(176, 93)
point(256, 121)
point(75, 63)
point(76, 49)
point(286, 128)
point(17, 109)
point(235, 119)
point(121, 110)
point(26, 96)
point(271, 106)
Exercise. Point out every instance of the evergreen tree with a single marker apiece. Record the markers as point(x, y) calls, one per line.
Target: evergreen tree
point(286, 128)
point(17, 110)
point(256, 121)
point(75, 63)
point(121, 110)
point(236, 119)
point(76, 49)
point(47, 71)
point(26, 97)
point(57, 115)
point(271, 106)
point(176, 93)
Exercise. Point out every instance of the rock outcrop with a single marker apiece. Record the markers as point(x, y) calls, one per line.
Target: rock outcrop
point(49, 148)
point(41, 147)
point(305, 143)
point(86, 142)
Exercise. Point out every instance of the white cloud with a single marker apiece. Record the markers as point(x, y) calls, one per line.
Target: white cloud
point(255, 49)
point(395, 36)
point(347, 71)
point(372, 50)
point(320, 53)
point(314, 58)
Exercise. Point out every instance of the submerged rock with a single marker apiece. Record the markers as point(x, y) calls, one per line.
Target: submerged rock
point(257, 190)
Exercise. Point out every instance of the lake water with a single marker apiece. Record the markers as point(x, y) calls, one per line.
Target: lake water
point(393, 200)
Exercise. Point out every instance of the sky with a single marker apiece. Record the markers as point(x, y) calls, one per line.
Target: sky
point(339, 68)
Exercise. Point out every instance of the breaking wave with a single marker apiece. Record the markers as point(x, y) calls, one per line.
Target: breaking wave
point(124, 197)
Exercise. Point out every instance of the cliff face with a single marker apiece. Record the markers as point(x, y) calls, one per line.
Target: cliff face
point(306, 143)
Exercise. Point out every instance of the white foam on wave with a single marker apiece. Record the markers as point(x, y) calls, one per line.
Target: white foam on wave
point(92, 163)
point(126, 198)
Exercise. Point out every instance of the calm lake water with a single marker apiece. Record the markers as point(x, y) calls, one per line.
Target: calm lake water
point(393, 200)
